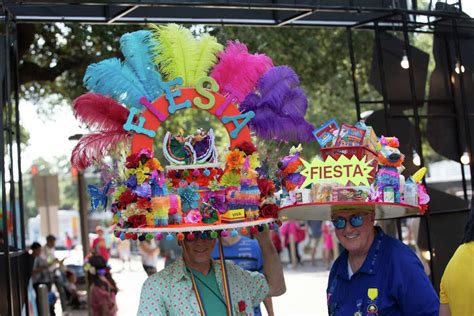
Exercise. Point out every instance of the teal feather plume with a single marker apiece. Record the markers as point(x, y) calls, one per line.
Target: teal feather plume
point(109, 77)
point(137, 50)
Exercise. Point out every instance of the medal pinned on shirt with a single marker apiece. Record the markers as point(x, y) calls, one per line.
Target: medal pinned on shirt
point(359, 305)
point(372, 308)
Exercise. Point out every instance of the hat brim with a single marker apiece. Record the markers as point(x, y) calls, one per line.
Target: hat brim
point(187, 228)
point(323, 211)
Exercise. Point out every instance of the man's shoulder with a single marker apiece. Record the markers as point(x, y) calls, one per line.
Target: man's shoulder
point(169, 274)
point(400, 255)
point(396, 248)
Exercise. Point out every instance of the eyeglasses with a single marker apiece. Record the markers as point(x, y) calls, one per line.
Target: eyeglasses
point(355, 220)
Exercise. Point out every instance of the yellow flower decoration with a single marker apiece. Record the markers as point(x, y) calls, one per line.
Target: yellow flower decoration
point(142, 173)
point(254, 160)
point(230, 179)
point(235, 159)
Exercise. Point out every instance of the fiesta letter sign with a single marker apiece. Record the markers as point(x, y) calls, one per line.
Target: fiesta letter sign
point(340, 170)
point(175, 99)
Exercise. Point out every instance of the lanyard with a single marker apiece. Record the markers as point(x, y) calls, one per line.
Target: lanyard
point(194, 277)
point(225, 283)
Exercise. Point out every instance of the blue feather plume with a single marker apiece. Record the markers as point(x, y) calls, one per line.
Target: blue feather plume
point(109, 77)
point(137, 50)
point(280, 106)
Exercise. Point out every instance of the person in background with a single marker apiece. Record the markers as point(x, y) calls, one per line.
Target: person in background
point(170, 250)
point(48, 253)
point(99, 246)
point(328, 244)
point(149, 252)
point(124, 252)
point(291, 230)
point(316, 233)
point(457, 283)
point(102, 289)
point(69, 243)
point(245, 253)
point(40, 273)
point(73, 296)
point(376, 274)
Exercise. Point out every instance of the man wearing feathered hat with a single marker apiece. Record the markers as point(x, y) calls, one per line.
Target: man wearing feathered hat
point(194, 284)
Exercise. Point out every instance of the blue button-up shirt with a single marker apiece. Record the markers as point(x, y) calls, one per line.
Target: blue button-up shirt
point(390, 282)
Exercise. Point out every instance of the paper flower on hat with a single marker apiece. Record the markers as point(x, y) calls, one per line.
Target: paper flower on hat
point(143, 203)
point(216, 199)
point(189, 196)
point(133, 161)
point(269, 211)
point(143, 190)
point(145, 153)
point(131, 181)
point(235, 159)
point(153, 164)
point(209, 214)
point(230, 179)
point(193, 217)
point(137, 220)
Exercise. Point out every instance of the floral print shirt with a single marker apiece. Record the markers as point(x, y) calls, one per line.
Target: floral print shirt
point(170, 291)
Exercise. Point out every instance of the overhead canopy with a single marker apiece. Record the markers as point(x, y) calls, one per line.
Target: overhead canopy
point(236, 12)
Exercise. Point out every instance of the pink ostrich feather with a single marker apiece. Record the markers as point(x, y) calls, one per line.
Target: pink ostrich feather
point(238, 71)
point(106, 117)
point(100, 112)
point(93, 147)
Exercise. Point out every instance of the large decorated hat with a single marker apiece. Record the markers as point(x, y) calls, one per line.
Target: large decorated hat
point(357, 171)
point(187, 187)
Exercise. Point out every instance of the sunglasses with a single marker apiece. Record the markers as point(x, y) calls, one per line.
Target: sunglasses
point(355, 220)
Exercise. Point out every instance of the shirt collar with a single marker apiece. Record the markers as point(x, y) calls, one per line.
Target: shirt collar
point(370, 263)
point(179, 272)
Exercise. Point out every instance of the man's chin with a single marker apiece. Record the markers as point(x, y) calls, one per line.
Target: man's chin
point(201, 257)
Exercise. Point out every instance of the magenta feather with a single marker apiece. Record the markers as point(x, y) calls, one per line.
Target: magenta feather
point(100, 112)
point(93, 147)
point(238, 71)
point(107, 118)
point(279, 105)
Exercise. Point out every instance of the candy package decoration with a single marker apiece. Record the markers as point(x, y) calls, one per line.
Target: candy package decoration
point(326, 133)
point(350, 136)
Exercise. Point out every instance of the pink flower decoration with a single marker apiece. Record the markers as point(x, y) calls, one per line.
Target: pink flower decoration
point(193, 217)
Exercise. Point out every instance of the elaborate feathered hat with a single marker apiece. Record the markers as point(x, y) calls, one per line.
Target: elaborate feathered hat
point(165, 71)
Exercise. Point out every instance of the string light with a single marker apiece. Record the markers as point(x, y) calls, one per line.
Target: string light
point(459, 67)
point(416, 159)
point(465, 159)
point(405, 64)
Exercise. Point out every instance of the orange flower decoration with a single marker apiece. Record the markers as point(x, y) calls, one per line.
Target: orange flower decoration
point(153, 164)
point(235, 159)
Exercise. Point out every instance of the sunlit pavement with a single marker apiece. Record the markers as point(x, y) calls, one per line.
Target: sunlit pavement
point(305, 295)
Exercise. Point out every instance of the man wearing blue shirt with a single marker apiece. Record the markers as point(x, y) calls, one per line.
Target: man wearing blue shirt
point(245, 253)
point(376, 274)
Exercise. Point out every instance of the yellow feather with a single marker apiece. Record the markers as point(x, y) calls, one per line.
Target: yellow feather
point(176, 51)
point(208, 47)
